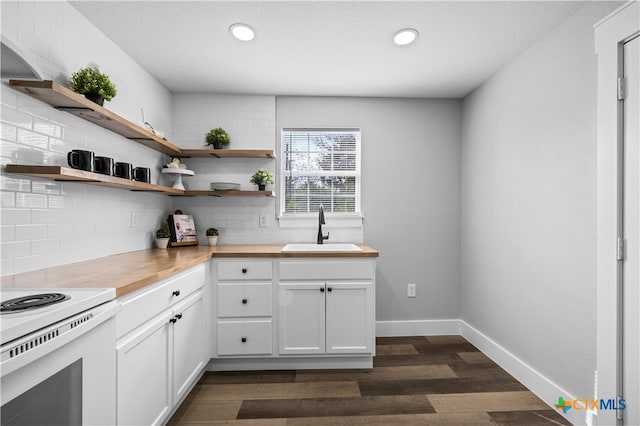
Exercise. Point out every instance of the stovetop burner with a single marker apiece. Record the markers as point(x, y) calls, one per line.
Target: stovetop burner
point(35, 301)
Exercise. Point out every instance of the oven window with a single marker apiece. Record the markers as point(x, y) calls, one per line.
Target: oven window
point(55, 401)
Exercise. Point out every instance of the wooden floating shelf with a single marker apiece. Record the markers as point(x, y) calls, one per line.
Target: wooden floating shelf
point(64, 99)
point(66, 174)
point(230, 193)
point(228, 153)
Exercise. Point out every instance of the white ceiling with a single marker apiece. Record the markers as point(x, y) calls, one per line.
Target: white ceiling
point(326, 48)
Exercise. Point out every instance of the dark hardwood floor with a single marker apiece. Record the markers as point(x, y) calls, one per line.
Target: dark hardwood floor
point(436, 380)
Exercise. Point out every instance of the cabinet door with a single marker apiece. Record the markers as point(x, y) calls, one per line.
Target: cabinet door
point(301, 318)
point(349, 317)
point(188, 345)
point(144, 395)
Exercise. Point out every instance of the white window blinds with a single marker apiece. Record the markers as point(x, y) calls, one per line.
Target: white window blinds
point(320, 166)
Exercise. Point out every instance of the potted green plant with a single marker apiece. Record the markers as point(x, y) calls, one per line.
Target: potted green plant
point(217, 137)
point(162, 237)
point(212, 236)
point(262, 177)
point(94, 85)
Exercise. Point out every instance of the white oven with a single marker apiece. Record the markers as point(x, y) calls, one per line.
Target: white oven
point(58, 360)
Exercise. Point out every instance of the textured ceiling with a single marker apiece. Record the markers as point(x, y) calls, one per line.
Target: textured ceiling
point(326, 48)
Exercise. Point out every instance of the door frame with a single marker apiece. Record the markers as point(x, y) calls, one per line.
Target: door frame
point(610, 34)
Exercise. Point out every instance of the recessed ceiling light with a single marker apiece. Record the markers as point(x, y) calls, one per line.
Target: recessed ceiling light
point(242, 32)
point(406, 36)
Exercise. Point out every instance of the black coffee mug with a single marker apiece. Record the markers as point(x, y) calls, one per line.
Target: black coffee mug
point(124, 170)
point(142, 174)
point(104, 165)
point(79, 159)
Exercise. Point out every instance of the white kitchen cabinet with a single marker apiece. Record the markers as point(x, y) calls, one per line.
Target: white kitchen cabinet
point(161, 347)
point(188, 345)
point(244, 301)
point(143, 385)
point(329, 317)
point(294, 313)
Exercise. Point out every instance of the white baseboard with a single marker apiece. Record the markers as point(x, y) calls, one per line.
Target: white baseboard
point(417, 328)
point(540, 385)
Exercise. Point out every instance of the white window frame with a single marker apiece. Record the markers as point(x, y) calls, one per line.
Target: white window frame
point(301, 220)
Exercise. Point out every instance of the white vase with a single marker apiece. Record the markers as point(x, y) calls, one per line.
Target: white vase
point(213, 239)
point(162, 242)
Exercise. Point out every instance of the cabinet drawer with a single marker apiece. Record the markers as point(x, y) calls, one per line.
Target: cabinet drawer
point(144, 304)
point(327, 270)
point(244, 337)
point(244, 299)
point(244, 270)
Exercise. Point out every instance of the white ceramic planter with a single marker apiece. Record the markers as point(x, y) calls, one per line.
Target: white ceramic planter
point(213, 240)
point(162, 242)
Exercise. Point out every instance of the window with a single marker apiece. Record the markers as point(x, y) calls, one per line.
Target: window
point(320, 166)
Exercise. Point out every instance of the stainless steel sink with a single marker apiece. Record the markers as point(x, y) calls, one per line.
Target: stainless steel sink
point(320, 248)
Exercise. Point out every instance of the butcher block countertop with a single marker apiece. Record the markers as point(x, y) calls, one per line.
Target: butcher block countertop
point(127, 272)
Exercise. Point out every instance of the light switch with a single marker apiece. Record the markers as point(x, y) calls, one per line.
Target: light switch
point(411, 290)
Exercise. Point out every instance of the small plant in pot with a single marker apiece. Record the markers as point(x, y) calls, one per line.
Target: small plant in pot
point(217, 137)
point(212, 236)
point(94, 85)
point(162, 237)
point(262, 177)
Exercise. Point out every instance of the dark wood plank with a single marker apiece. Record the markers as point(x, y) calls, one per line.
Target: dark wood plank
point(374, 405)
point(229, 377)
point(528, 418)
point(435, 386)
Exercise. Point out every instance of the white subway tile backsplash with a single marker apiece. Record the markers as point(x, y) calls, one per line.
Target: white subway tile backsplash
point(33, 139)
point(29, 263)
point(14, 118)
point(6, 267)
point(32, 201)
point(30, 232)
point(46, 187)
point(12, 249)
point(46, 216)
point(48, 128)
point(10, 183)
point(55, 202)
point(44, 246)
point(55, 218)
point(7, 132)
point(7, 199)
point(7, 233)
point(15, 216)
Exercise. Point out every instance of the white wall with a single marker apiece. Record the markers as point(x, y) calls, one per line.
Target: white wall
point(46, 223)
point(529, 205)
point(410, 194)
point(250, 121)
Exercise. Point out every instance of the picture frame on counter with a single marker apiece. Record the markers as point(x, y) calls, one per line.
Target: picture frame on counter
point(183, 230)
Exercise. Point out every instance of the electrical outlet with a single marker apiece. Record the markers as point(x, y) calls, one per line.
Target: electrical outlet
point(411, 290)
point(134, 220)
point(264, 220)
